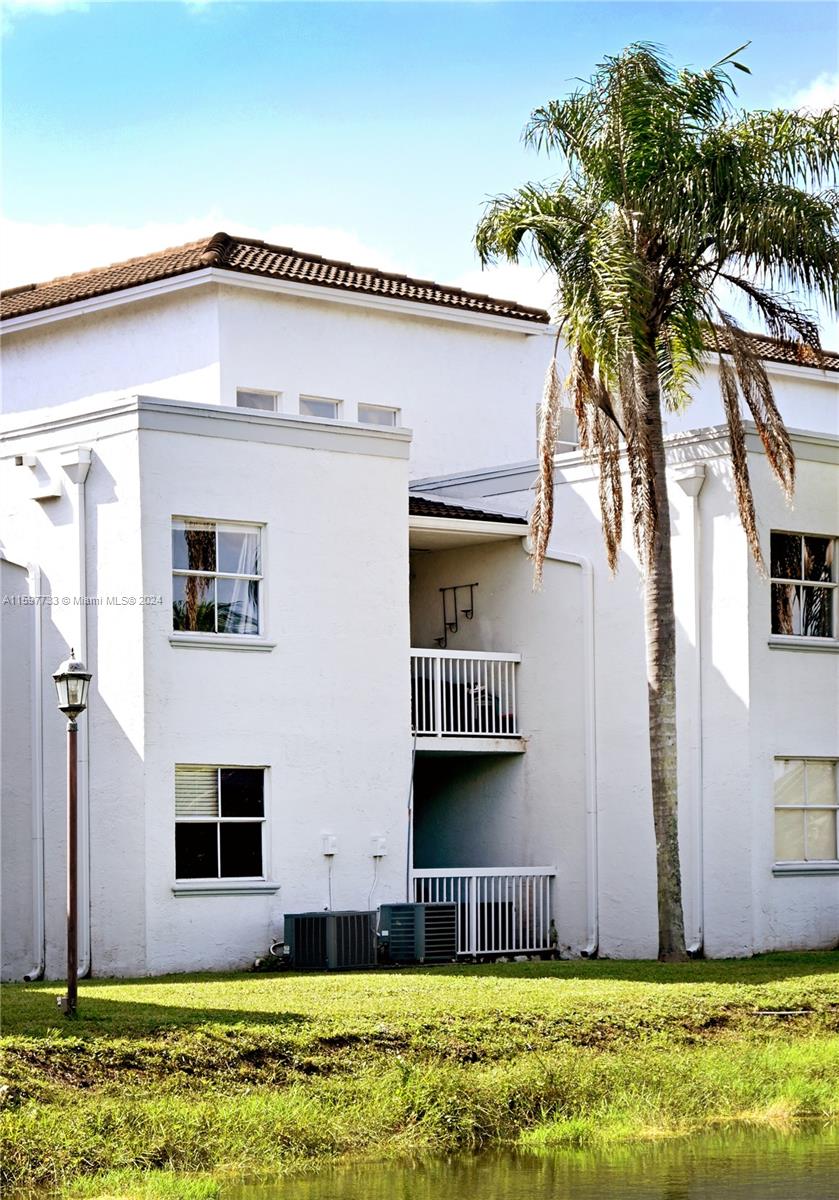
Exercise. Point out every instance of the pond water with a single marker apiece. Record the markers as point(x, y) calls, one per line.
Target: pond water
point(735, 1164)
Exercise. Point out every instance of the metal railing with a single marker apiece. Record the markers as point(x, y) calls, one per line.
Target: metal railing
point(501, 910)
point(464, 693)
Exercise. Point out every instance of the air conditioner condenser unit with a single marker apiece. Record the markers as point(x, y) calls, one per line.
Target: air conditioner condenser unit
point(419, 933)
point(330, 941)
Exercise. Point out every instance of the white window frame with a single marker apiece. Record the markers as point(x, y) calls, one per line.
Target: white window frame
point(807, 639)
point(252, 391)
point(805, 863)
point(237, 526)
point(220, 820)
point(320, 400)
point(396, 413)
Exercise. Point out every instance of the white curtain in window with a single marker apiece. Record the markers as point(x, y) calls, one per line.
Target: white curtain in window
point(238, 599)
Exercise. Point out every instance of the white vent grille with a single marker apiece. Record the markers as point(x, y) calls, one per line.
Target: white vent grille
point(196, 791)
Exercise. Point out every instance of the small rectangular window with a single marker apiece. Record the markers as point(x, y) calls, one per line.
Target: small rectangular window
point(219, 814)
point(376, 414)
point(315, 406)
point(806, 808)
point(263, 401)
point(804, 585)
point(216, 577)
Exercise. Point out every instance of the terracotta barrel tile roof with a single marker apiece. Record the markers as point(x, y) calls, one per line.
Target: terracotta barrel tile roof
point(250, 257)
point(797, 354)
point(422, 506)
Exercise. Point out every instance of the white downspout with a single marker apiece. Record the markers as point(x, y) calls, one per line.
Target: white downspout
point(690, 479)
point(590, 743)
point(76, 464)
point(39, 929)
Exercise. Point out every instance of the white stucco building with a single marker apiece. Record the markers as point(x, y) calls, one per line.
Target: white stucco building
point(277, 505)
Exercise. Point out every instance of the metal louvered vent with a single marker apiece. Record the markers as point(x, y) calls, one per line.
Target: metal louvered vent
point(421, 933)
point(330, 941)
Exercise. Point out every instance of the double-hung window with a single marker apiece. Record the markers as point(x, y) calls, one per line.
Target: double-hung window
point(804, 585)
point(806, 807)
point(219, 815)
point(216, 577)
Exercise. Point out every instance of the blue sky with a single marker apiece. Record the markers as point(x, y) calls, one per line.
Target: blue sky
point(360, 130)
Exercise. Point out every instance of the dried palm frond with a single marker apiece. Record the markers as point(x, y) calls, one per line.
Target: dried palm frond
point(641, 490)
point(739, 460)
point(757, 392)
point(610, 485)
point(580, 386)
point(541, 516)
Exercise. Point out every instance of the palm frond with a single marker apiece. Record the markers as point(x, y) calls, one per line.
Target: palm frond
point(541, 515)
point(757, 392)
point(739, 461)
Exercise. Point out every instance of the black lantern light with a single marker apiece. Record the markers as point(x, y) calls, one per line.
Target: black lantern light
point(71, 683)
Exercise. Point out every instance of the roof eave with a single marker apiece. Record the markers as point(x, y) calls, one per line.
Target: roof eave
point(244, 279)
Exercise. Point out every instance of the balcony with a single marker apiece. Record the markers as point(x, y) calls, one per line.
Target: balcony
point(465, 701)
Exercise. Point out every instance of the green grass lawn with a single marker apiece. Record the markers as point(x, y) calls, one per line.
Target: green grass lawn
point(263, 1073)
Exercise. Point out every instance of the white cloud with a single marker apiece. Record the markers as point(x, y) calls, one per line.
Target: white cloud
point(32, 253)
point(44, 6)
point(821, 93)
point(10, 10)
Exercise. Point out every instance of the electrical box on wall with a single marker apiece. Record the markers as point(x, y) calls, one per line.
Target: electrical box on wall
point(379, 846)
point(329, 844)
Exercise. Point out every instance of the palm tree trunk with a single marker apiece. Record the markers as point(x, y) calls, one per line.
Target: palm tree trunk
point(660, 623)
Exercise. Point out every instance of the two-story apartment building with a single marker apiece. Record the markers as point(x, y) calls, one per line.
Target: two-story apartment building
point(278, 506)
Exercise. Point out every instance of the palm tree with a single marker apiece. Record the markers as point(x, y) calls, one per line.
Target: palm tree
point(668, 194)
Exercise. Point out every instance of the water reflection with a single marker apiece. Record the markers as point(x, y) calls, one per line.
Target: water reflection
point(741, 1164)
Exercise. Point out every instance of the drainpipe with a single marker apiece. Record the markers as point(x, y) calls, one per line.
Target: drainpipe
point(590, 743)
point(690, 479)
point(76, 464)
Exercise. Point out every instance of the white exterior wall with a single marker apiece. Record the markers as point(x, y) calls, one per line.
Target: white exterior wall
point(795, 710)
point(326, 711)
point(113, 722)
point(166, 345)
point(17, 768)
point(806, 398)
point(435, 371)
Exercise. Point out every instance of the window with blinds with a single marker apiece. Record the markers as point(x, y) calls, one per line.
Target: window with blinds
point(806, 810)
point(219, 814)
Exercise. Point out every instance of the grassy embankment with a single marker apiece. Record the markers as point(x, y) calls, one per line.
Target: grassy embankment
point(262, 1073)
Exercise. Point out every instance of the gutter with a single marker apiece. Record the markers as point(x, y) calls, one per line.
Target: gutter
point(590, 743)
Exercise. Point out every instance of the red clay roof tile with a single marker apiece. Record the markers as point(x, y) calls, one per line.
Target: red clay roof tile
point(250, 257)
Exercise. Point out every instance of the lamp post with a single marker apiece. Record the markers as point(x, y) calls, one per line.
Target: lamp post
point(71, 683)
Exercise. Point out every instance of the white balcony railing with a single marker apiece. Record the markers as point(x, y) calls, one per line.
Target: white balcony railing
point(502, 910)
point(460, 693)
